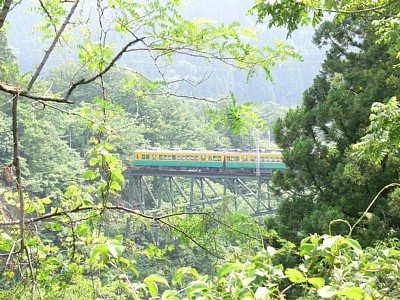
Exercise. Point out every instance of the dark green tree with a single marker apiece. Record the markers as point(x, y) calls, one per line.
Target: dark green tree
point(324, 180)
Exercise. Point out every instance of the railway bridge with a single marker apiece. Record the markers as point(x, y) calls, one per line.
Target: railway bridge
point(156, 190)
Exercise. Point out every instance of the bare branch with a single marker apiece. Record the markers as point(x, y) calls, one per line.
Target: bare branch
point(17, 166)
point(47, 13)
point(190, 238)
point(106, 69)
point(53, 44)
point(57, 213)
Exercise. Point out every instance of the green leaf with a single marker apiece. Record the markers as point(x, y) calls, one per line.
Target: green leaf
point(153, 289)
point(90, 175)
point(169, 295)
point(108, 146)
point(352, 243)
point(197, 286)
point(46, 200)
point(157, 278)
point(295, 276)
point(54, 226)
point(227, 268)
point(83, 230)
point(151, 283)
point(317, 282)
point(182, 271)
point(354, 293)
point(99, 251)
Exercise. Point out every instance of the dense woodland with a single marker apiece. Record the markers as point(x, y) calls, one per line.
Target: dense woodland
point(97, 80)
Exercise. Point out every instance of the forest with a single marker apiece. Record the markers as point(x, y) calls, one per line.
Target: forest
point(83, 84)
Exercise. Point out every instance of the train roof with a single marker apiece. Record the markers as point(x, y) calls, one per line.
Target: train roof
point(204, 151)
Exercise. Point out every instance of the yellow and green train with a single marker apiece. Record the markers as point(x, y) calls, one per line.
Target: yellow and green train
point(198, 159)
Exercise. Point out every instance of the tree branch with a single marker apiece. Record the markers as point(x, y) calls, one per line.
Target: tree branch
point(53, 44)
point(110, 207)
point(16, 164)
point(360, 11)
point(4, 12)
point(74, 85)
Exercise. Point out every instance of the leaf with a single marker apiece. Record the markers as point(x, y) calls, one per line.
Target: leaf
point(196, 286)
point(54, 226)
point(261, 293)
point(90, 175)
point(354, 293)
point(157, 278)
point(153, 289)
point(271, 250)
point(151, 283)
point(98, 251)
point(93, 161)
point(227, 268)
point(352, 243)
point(317, 282)
point(169, 295)
point(295, 276)
point(82, 229)
point(182, 271)
point(46, 200)
point(327, 292)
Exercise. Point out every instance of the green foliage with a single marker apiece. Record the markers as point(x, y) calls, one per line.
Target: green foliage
point(323, 174)
point(79, 238)
point(238, 118)
point(330, 266)
point(383, 133)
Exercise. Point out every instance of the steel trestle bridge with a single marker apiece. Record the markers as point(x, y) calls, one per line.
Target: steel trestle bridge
point(156, 190)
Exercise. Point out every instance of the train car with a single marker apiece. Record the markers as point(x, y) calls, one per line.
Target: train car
point(177, 159)
point(197, 159)
point(247, 161)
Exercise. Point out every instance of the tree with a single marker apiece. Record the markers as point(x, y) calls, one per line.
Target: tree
point(322, 174)
point(62, 238)
point(291, 15)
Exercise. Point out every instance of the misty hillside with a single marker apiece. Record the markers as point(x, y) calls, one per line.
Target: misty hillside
point(289, 79)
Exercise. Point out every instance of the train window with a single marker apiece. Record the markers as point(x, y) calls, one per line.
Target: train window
point(169, 157)
point(173, 157)
point(244, 158)
point(228, 158)
point(210, 158)
point(203, 157)
point(154, 157)
point(252, 159)
point(196, 157)
point(178, 157)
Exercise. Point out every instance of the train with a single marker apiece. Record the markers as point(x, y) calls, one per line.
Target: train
point(217, 160)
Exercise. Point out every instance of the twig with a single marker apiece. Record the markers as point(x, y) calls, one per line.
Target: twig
point(87, 208)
